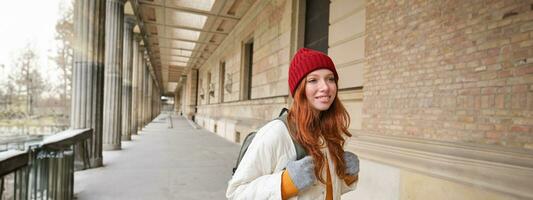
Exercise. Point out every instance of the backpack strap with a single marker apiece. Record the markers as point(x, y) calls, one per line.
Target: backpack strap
point(283, 111)
point(300, 150)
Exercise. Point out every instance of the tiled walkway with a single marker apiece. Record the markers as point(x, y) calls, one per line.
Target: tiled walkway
point(162, 163)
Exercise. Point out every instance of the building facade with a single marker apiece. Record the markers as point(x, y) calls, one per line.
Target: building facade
point(440, 93)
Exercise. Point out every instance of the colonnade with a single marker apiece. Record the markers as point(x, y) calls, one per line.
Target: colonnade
point(114, 91)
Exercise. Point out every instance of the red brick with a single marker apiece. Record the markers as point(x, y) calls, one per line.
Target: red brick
point(518, 128)
point(489, 60)
point(500, 101)
point(524, 71)
point(477, 102)
point(489, 90)
point(493, 135)
point(493, 52)
point(504, 74)
point(519, 88)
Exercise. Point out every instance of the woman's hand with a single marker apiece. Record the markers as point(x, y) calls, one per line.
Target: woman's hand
point(352, 163)
point(302, 172)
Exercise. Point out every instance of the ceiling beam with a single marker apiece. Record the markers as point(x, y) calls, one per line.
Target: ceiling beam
point(182, 40)
point(189, 10)
point(186, 28)
point(170, 60)
point(182, 49)
point(160, 55)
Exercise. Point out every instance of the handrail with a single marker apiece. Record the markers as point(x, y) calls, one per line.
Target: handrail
point(66, 138)
point(44, 170)
point(12, 160)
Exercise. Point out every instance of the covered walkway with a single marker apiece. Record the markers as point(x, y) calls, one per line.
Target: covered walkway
point(162, 163)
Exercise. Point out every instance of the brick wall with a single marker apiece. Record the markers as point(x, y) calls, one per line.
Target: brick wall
point(459, 71)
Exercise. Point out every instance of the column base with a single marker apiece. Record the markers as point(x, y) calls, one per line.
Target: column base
point(93, 163)
point(78, 165)
point(96, 162)
point(126, 138)
point(111, 147)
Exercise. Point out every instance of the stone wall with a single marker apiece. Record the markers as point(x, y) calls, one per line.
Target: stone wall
point(268, 23)
point(428, 84)
point(457, 71)
point(346, 40)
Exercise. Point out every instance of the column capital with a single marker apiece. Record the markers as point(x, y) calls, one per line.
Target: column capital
point(130, 20)
point(137, 37)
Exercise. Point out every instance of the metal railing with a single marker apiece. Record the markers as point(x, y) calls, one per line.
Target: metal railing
point(44, 170)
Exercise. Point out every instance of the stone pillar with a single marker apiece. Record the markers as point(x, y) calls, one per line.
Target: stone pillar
point(154, 96)
point(153, 107)
point(140, 89)
point(149, 100)
point(87, 77)
point(157, 102)
point(127, 68)
point(135, 84)
point(145, 95)
point(191, 95)
point(113, 74)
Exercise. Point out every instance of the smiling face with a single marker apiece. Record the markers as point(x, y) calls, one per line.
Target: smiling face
point(320, 89)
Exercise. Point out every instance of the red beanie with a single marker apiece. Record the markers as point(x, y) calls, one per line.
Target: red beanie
point(304, 62)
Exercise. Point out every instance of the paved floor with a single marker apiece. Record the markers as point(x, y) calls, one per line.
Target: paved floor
point(162, 163)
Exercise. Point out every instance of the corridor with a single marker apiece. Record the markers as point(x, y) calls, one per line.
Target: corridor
point(162, 163)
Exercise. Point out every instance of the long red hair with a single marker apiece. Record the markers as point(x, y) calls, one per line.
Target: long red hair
point(311, 125)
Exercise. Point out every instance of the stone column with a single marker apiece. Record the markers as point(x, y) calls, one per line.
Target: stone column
point(135, 84)
point(157, 102)
point(152, 106)
point(87, 77)
point(127, 68)
point(144, 89)
point(149, 99)
point(191, 94)
point(140, 89)
point(113, 74)
point(145, 93)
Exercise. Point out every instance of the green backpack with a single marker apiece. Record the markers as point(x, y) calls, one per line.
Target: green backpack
point(300, 151)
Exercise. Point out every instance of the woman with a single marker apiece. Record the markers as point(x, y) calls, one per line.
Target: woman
point(319, 122)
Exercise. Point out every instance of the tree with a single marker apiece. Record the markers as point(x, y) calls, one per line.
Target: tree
point(27, 79)
point(65, 53)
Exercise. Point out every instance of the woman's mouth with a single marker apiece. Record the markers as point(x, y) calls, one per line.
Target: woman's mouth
point(323, 99)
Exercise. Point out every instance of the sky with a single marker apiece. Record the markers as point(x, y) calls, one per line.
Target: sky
point(29, 21)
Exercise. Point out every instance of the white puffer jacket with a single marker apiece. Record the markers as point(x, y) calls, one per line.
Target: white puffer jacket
point(259, 173)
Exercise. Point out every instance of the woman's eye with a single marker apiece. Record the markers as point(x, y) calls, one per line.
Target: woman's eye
point(332, 79)
point(311, 81)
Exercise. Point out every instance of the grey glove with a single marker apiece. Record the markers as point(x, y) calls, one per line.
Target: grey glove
point(302, 172)
point(352, 163)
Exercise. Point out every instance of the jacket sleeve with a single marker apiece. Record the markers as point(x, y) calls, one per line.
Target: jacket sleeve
point(259, 173)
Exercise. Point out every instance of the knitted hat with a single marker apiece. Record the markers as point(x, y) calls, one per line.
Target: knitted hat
point(304, 62)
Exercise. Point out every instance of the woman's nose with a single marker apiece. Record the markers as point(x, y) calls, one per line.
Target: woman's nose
point(323, 86)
